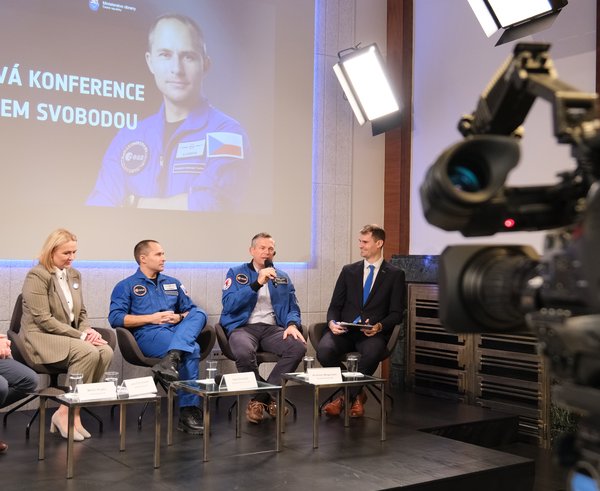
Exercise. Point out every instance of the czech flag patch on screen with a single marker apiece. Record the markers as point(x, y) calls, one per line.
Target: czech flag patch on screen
point(224, 144)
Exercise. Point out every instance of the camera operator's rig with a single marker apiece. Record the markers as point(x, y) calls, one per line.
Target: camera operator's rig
point(510, 288)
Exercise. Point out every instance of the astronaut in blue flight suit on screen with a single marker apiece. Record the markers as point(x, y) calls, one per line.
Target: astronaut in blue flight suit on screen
point(189, 155)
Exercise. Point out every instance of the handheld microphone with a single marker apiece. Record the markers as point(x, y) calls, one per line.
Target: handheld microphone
point(278, 280)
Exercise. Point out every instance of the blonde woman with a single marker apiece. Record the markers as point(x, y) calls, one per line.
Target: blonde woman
point(55, 323)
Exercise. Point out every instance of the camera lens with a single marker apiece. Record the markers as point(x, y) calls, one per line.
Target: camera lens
point(493, 284)
point(486, 288)
point(466, 178)
point(464, 181)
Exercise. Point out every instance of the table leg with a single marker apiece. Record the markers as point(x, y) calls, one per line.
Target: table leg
point(122, 426)
point(42, 415)
point(383, 416)
point(280, 418)
point(206, 432)
point(170, 416)
point(70, 436)
point(346, 408)
point(157, 433)
point(316, 416)
point(282, 424)
point(238, 418)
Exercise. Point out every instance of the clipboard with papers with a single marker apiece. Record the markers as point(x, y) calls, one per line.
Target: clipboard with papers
point(354, 325)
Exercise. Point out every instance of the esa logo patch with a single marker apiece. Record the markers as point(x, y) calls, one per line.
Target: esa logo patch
point(241, 278)
point(134, 157)
point(227, 284)
point(140, 290)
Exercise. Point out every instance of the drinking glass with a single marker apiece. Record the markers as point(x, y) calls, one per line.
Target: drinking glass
point(211, 370)
point(309, 362)
point(112, 377)
point(352, 363)
point(74, 380)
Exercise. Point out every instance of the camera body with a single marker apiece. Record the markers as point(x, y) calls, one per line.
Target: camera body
point(508, 288)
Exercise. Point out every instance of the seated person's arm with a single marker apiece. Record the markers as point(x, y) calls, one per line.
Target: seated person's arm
point(235, 296)
point(4, 347)
point(396, 309)
point(120, 316)
point(163, 317)
point(293, 317)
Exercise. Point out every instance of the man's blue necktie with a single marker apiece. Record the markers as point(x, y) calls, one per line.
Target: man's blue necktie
point(368, 284)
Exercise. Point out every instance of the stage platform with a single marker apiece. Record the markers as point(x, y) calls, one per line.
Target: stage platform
point(415, 456)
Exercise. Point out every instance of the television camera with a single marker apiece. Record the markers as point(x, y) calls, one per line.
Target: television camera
point(507, 288)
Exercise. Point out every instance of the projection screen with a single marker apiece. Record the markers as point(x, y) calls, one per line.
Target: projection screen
point(198, 139)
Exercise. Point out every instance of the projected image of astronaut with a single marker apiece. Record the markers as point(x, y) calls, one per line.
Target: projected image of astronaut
point(189, 155)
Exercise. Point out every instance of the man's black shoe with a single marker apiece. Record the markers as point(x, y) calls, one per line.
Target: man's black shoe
point(190, 420)
point(166, 369)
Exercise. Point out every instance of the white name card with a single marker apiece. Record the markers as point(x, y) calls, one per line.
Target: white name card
point(328, 375)
point(240, 381)
point(140, 386)
point(100, 390)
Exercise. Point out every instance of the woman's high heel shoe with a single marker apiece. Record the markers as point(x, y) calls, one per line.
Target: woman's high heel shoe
point(56, 425)
point(82, 431)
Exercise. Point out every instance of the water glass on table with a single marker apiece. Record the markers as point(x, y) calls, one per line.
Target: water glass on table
point(308, 362)
point(112, 377)
point(352, 363)
point(75, 379)
point(211, 370)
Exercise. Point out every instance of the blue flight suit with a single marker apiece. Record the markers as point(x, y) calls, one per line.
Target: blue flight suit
point(206, 157)
point(239, 297)
point(240, 294)
point(139, 295)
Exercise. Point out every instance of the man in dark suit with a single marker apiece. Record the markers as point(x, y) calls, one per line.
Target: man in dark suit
point(369, 292)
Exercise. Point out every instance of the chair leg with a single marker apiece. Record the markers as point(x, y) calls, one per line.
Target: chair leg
point(231, 408)
point(18, 406)
point(165, 387)
point(141, 416)
point(96, 417)
point(28, 427)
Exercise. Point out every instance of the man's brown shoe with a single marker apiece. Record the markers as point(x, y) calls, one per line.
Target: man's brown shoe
point(272, 409)
point(357, 410)
point(335, 407)
point(254, 411)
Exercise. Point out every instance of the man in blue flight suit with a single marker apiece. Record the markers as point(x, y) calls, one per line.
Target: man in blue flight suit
point(188, 156)
point(260, 310)
point(165, 323)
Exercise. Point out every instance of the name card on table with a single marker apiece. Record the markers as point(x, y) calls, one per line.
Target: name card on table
point(140, 386)
point(328, 375)
point(99, 390)
point(240, 381)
